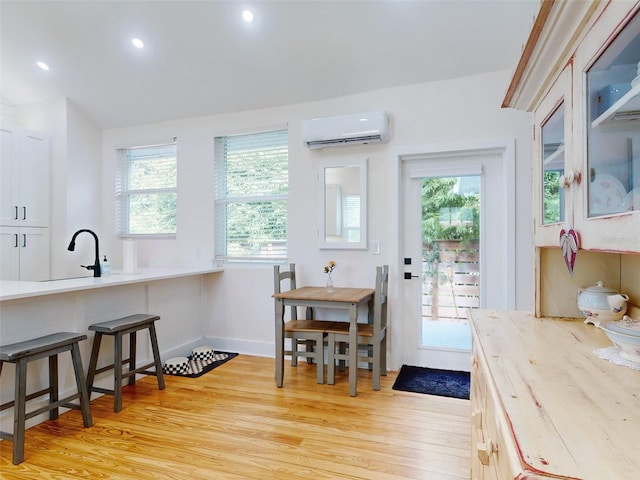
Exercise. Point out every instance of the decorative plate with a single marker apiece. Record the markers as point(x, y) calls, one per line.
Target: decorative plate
point(631, 201)
point(606, 195)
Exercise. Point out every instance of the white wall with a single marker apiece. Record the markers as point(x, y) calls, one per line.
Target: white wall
point(241, 316)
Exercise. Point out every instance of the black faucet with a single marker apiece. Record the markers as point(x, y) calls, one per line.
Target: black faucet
point(96, 264)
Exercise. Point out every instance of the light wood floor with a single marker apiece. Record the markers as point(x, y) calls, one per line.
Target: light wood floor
point(234, 423)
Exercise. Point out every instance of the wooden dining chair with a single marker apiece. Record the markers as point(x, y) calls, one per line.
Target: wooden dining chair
point(308, 334)
point(372, 337)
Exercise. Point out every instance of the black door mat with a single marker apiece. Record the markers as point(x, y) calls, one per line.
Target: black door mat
point(431, 381)
point(195, 367)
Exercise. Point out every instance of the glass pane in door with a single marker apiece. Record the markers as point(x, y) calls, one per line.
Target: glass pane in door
point(553, 167)
point(613, 126)
point(450, 259)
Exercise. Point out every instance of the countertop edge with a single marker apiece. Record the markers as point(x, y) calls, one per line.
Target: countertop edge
point(15, 290)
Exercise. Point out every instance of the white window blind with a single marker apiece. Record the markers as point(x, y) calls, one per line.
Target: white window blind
point(252, 185)
point(147, 190)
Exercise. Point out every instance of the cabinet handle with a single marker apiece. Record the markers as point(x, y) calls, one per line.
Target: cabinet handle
point(16, 239)
point(24, 240)
point(24, 213)
point(15, 217)
point(486, 450)
point(570, 177)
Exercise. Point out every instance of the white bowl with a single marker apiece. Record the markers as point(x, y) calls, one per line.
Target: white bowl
point(626, 335)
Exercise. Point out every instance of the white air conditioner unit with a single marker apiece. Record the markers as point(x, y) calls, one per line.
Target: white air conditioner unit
point(358, 128)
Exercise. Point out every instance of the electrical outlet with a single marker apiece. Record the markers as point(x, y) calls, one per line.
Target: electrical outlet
point(375, 247)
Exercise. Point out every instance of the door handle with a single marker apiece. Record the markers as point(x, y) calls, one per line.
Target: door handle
point(408, 276)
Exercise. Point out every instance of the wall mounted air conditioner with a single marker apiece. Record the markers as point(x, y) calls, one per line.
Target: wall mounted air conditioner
point(354, 129)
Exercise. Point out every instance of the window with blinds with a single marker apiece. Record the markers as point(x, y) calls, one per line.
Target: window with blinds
point(252, 186)
point(147, 191)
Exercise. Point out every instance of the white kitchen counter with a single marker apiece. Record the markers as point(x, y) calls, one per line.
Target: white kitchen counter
point(180, 296)
point(11, 290)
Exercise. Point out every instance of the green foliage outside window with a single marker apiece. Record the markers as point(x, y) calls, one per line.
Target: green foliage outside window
point(446, 215)
point(551, 197)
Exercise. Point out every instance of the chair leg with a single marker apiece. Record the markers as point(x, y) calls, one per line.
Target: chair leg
point(53, 385)
point(19, 414)
point(117, 377)
point(156, 356)
point(82, 386)
point(376, 365)
point(308, 347)
point(331, 359)
point(319, 358)
point(383, 357)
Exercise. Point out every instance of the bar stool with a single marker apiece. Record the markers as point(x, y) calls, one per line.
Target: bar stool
point(117, 328)
point(21, 354)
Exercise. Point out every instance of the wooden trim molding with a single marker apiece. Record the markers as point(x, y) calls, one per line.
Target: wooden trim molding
point(529, 47)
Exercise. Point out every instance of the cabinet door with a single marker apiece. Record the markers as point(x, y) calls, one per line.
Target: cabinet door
point(34, 184)
point(9, 208)
point(607, 110)
point(24, 179)
point(24, 253)
point(34, 253)
point(9, 254)
point(552, 152)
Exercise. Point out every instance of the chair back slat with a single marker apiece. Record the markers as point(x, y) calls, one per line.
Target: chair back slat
point(279, 277)
point(380, 305)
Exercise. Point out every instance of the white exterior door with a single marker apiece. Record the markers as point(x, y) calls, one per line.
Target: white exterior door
point(494, 163)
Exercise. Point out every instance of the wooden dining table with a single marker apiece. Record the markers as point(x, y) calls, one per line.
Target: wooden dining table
point(350, 299)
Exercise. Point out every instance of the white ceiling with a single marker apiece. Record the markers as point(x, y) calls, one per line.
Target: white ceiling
point(201, 58)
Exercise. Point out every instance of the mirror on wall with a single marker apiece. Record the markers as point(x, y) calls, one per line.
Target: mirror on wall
point(343, 204)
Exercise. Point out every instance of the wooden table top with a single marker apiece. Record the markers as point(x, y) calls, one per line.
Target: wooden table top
point(339, 294)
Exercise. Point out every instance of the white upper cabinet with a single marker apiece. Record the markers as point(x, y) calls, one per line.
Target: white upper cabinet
point(607, 117)
point(24, 179)
point(580, 76)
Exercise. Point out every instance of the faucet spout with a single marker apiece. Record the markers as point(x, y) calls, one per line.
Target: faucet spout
point(96, 264)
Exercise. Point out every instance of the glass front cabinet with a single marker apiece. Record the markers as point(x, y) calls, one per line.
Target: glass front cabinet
point(608, 109)
point(587, 141)
point(579, 75)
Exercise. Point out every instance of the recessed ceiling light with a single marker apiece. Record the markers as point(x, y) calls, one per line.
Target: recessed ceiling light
point(137, 43)
point(43, 65)
point(247, 16)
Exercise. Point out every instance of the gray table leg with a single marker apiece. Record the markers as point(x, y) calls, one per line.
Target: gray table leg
point(279, 327)
point(353, 350)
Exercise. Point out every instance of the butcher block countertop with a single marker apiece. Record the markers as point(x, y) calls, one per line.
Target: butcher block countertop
point(571, 414)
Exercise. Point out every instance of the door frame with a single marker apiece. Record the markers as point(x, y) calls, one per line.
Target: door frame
point(505, 149)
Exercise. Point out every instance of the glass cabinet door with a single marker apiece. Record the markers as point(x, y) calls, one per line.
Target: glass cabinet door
point(613, 126)
point(553, 148)
point(553, 195)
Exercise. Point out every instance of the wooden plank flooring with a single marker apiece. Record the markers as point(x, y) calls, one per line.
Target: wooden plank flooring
point(234, 423)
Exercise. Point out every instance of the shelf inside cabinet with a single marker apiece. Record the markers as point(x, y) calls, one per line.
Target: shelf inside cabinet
point(627, 108)
point(556, 159)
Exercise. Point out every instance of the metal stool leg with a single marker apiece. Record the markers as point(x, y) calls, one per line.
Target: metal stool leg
point(82, 386)
point(156, 355)
point(19, 414)
point(53, 385)
point(133, 346)
point(117, 382)
point(93, 362)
